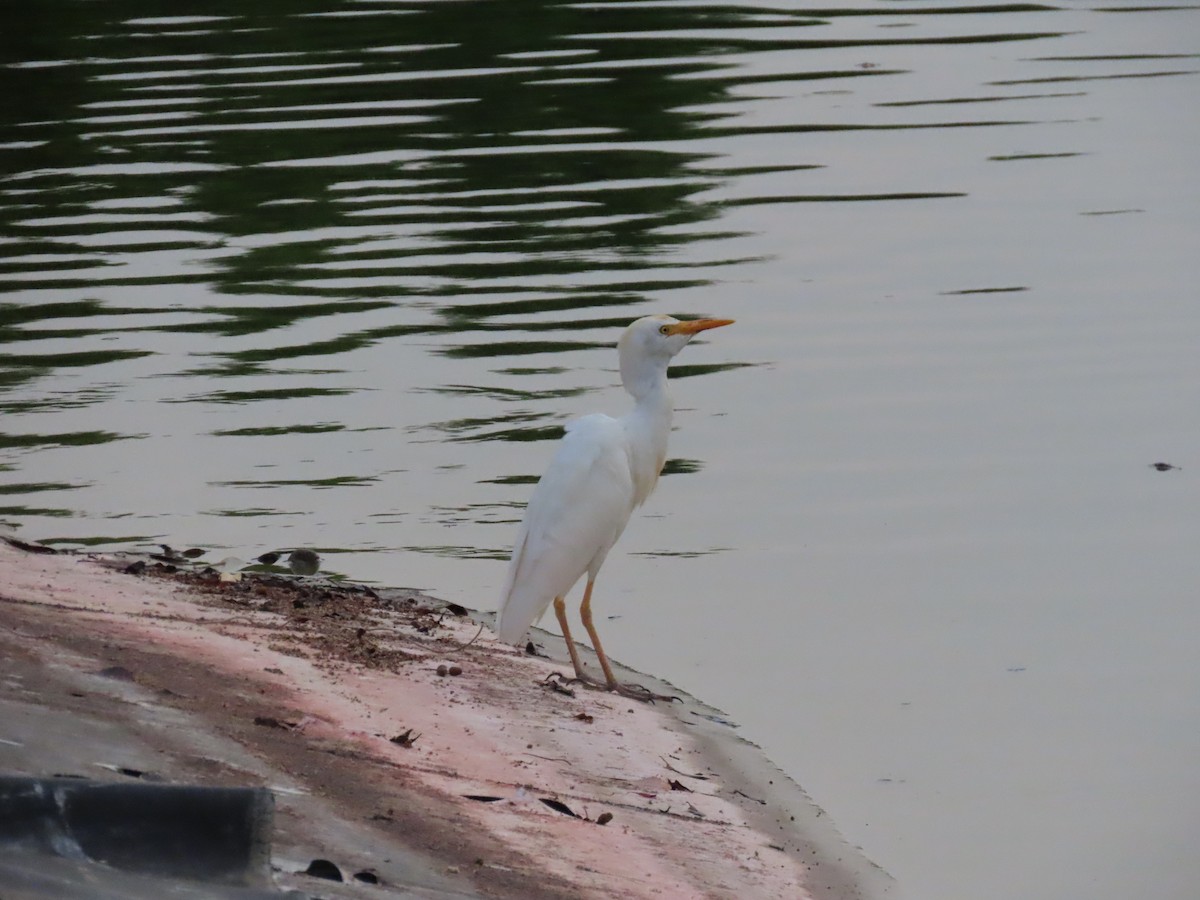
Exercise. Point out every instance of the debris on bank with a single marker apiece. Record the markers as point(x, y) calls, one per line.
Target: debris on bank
point(476, 765)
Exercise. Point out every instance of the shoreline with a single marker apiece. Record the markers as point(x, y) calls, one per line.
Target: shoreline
point(485, 783)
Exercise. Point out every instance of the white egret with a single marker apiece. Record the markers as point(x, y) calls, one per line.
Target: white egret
point(603, 470)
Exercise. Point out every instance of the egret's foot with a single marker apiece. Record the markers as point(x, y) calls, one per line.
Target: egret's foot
point(624, 688)
point(581, 677)
point(639, 692)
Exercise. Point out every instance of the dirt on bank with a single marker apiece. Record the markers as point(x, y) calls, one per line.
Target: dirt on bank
point(403, 743)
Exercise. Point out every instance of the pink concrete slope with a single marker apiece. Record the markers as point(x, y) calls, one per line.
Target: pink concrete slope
point(741, 831)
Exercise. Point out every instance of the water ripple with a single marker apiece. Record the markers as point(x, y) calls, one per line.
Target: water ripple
point(193, 204)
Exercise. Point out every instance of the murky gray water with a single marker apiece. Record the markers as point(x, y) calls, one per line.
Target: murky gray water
point(275, 278)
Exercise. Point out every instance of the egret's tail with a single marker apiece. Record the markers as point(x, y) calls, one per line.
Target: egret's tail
point(508, 628)
point(520, 603)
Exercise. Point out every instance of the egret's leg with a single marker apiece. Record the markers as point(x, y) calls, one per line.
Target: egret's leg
point(585, 613)
point(560, 610)
point(636, 691)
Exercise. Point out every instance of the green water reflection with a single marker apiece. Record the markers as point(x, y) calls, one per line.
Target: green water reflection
point(225, 191)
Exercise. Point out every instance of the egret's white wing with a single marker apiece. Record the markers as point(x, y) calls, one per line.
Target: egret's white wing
point(578, 510)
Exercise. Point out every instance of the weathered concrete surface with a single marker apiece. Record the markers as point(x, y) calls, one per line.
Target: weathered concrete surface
point(105, 671)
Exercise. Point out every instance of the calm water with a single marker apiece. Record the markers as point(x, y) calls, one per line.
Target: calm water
point(276, 277)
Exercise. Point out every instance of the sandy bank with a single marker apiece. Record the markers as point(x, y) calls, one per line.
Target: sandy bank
point(311, 690)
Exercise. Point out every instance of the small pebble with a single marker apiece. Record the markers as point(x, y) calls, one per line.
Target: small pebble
point(456, 670)
point(442, 670)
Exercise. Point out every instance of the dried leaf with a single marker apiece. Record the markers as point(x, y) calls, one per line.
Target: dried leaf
point(532, 650)
point(699, 775)
point(272, 722)
point(559, 806)
point(406, 738)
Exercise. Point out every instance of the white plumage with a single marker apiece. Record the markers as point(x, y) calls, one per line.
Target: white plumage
point(578, 510)
point(603, 470)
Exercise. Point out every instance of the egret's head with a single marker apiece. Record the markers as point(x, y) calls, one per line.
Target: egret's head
point(649, 343)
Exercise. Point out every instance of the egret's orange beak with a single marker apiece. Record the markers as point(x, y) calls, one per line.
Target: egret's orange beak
point(695, 326)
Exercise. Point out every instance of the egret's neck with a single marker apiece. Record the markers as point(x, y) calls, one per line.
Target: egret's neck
point(648, 426)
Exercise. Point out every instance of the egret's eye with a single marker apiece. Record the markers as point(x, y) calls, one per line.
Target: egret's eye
point(664, 329)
